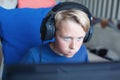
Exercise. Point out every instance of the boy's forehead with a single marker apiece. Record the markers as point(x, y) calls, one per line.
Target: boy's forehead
point(70, 29)
point(68, 25)
point(70, 32)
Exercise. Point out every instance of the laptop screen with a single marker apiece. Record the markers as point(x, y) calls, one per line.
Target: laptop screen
point(92, 71)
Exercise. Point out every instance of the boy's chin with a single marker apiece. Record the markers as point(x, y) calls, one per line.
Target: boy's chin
point(69, 56)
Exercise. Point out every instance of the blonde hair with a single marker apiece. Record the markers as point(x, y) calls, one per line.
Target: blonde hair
point(77, 16)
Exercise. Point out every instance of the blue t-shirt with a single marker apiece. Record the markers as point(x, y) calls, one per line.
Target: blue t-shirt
point(44, 54)
point(19, 31)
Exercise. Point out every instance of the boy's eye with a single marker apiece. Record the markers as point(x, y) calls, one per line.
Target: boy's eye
point(66, 38)
point(80, 38)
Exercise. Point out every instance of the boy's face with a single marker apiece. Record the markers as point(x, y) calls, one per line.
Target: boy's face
point(69, 38)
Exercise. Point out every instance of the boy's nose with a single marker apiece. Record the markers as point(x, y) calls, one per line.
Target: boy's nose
point(72, 44)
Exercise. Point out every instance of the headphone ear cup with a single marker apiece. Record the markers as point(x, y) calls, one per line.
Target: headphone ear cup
point(48, 28)
point(88, 35)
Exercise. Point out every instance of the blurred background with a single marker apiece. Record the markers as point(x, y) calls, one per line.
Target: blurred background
point(105, 42)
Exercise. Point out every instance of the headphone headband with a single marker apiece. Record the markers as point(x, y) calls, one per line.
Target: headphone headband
point(71, 5)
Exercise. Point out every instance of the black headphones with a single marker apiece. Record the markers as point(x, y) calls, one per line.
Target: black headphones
point(48, 24)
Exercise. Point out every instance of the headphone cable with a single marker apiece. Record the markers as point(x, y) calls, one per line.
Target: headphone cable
point(41, 53)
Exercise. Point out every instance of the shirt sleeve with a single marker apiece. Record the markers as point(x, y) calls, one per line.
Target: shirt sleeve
point(32, 56)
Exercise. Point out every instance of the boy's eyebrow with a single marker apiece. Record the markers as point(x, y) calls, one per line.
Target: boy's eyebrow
point(68, 36)
point(81, 37)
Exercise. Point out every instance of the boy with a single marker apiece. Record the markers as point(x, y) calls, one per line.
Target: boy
point(68, 23)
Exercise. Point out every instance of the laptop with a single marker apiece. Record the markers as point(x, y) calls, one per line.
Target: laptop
point(68, 71)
